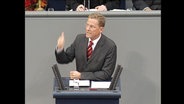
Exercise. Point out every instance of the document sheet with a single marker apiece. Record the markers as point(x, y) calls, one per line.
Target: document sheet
point(100, 84)
point(81, 83)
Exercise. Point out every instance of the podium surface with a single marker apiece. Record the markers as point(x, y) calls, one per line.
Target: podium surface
point(85, 95)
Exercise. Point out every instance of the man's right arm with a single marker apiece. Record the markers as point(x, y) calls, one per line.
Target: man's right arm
point(63, 56)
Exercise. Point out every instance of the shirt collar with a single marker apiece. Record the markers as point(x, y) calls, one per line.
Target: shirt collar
point(96, 40)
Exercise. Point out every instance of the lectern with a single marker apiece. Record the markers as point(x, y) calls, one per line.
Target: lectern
point(85, 95)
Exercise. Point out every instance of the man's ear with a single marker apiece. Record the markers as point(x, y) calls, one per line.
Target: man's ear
point(101, 29)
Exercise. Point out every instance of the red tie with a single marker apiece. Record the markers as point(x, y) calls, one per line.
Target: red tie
point(89, 51)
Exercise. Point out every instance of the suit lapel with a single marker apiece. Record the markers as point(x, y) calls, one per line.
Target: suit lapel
point(85, 45)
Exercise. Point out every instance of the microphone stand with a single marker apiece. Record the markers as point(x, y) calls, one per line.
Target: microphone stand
point(88, 4)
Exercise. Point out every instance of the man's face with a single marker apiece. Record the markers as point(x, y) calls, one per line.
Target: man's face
point(92, 29)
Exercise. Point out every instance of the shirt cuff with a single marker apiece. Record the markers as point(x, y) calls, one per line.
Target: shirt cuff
point(59, 50)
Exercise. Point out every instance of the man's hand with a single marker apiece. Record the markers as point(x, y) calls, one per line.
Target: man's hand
point(75, 74)
point(147, 9)
point(60, 41)
point(101, 8)
point(80, 8)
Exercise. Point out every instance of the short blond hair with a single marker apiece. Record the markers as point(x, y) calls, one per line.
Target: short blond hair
point(98, 16)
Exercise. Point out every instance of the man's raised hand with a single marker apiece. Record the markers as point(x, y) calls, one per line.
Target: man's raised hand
point(60, 41)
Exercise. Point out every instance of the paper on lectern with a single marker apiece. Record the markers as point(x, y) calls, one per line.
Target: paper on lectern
point(81, 83)
point(100, 84)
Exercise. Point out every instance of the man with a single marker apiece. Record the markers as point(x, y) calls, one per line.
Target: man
point(96, 66)
point(99, 5)
point(147, 5)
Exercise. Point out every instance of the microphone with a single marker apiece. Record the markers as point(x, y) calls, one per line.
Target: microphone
point(88, 4)
point(84, 3)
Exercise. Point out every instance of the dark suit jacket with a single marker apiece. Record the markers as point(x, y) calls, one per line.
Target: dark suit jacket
point(102, 62)
point(58, 5)
point(110, 4)
point(141, 4)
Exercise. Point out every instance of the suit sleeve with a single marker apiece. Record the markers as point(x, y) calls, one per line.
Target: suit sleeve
point(139, 4)
point(112, 4)
point(67, 56)
point(74, 3)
